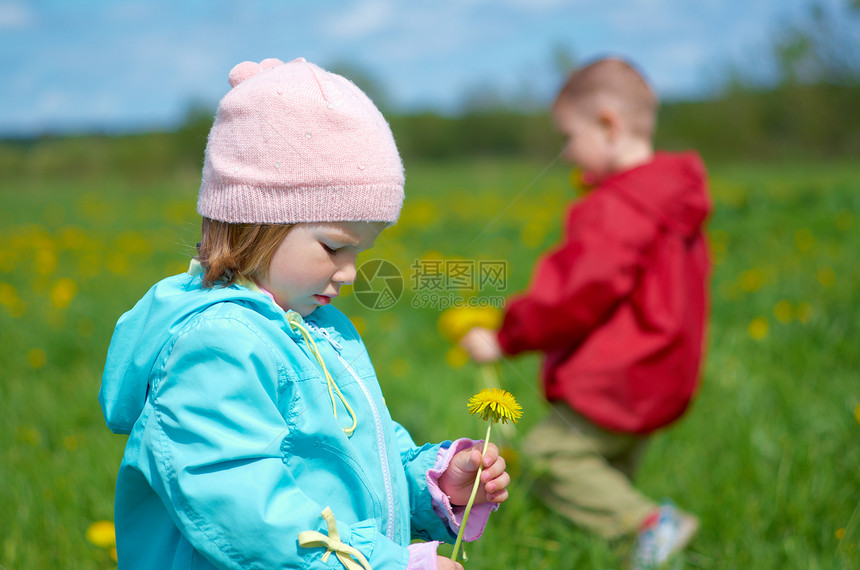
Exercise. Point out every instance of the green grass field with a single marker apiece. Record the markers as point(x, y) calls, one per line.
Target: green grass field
point(768, 455)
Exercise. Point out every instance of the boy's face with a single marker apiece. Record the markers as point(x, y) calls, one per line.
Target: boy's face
point(589, 140)
point(315, 260)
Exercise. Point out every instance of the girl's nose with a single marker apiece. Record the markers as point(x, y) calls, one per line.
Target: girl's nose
point(345, 274)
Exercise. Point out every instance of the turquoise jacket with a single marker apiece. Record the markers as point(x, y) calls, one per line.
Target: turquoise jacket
point(237, 441)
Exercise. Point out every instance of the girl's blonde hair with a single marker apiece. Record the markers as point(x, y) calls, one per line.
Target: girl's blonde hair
point(237, 252)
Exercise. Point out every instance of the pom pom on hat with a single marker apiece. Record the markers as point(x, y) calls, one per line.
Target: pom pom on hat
point(294, 143)
point(247, 69)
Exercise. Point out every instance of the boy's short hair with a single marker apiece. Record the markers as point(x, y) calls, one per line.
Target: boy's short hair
point(232, 252)
point(613, 81)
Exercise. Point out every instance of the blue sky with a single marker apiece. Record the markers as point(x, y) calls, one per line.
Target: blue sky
point(121, 65)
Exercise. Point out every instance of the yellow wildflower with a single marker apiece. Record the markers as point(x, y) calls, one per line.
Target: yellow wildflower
point(63, 291)
point(456, 357)
point(752, 280)
point(826, 276)
point(456, 322)
point(496, 405)
point(532, 234)
point(803, 239)
point(783, 311)
point(758, 328)
point(493, 404)
point(804, 312)
point(102, 534)
point(37, 357)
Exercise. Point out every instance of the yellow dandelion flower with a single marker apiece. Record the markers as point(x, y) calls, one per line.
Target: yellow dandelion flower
point(803, 239)
point(511, 457)
point(752, 280)
point(29, 435)
point(117, 263)
point(8, 294)
point(63, 291)
point(758, 328)
point(718, 240)
point(70, 442)
point(496, 405)
point(37, 357)
point(783, 311)
point(45, 261)
point(579, 182)
point(493, 404)
point(456, 322)
point(72, 237)
point(532, 234)
point(102, 534)
point(456, 357)
point(826, 276)
point(421, 213)
point(804, 312)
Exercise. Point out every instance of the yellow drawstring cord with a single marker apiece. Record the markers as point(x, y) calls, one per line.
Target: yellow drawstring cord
point(295, 322)
point(348, 555)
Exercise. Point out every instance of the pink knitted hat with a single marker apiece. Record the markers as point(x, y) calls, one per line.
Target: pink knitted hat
point(294, 143)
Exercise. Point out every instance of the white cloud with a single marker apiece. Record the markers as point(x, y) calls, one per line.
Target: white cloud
point(536, 5)
point(363, 19)
point(15, 15)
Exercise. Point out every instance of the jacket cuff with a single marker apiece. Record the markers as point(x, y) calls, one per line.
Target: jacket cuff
point(422, 556)
point(453, 515)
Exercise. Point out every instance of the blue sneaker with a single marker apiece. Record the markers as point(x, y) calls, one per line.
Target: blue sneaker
point(666, 531)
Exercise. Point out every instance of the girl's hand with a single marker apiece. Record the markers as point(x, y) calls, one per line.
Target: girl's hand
point(482, 345)
point(443, 563)
point(459, 477)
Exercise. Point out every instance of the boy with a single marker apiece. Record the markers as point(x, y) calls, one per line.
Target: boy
point(618, 308)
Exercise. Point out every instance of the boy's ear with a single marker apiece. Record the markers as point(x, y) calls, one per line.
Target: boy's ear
point(610, 122)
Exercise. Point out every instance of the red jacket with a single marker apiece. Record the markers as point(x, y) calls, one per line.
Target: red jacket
point(619, 307)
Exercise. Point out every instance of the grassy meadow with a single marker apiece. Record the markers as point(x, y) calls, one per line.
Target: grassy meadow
point(767, 456)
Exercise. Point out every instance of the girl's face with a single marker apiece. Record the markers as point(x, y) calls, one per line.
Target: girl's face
point(315, 260)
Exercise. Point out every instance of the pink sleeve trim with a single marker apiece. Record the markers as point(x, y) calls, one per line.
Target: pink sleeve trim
point(422, 556)
point(479, 514)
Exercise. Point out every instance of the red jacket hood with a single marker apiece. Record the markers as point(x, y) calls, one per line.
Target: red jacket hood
point(671, 189)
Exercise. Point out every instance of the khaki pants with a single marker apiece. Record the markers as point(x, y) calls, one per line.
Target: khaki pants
point(585, 473)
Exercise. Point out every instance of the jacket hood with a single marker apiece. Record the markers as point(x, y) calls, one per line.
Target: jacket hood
point(141, 334)
point(671, 189)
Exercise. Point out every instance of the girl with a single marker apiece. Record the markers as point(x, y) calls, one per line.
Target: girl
point(258, 435)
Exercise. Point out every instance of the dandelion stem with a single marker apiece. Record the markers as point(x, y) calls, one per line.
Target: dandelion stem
point(491, 379)
point(472, 496)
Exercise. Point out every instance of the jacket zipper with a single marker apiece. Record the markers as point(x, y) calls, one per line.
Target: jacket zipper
point(377, 419)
